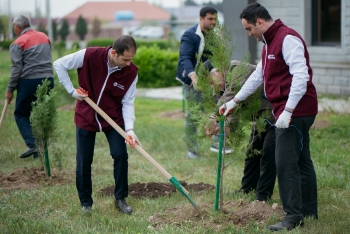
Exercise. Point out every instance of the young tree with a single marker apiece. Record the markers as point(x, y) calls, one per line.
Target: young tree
point(44, 119)
point(64, 30)
point(218, 41)
point(81, 28)
point(96, 27)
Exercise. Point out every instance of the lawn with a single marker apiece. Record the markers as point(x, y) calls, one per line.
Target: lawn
point(53, 206)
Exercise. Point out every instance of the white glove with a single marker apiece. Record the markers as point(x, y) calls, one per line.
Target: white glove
point(227, 107)
point(79, 93)
point(284, 120)
point(132, 139)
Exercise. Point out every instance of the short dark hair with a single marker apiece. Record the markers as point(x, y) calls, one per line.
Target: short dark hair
point(124, 43)
point(254, 11)
point(207, 9)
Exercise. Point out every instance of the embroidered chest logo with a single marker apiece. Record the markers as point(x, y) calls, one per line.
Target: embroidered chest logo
point(271, 56)
point(115, 84)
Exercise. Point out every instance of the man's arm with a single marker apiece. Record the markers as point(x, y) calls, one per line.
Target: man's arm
point(128, 106)
point(293, 53)
point(187, 52)
point(68, 62)
point(16, 68)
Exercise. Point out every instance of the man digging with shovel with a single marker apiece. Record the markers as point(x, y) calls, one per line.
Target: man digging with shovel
point(108, 77)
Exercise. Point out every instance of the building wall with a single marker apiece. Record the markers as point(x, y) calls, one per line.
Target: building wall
point(330, 64)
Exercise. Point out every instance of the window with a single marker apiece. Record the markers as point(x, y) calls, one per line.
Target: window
point(326, 22)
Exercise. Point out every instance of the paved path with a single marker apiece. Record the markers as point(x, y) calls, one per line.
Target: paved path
point(175, 93)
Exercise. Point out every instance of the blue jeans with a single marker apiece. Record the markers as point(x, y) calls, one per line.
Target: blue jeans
point(26, 90)
point(85, 152)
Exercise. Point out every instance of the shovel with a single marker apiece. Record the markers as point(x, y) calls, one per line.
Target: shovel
point(172, 179)
point(3, 112)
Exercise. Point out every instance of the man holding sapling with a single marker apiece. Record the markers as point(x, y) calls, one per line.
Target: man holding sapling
point(259, 170)
point(191, 53)
point(286, 75)
point(108, 77)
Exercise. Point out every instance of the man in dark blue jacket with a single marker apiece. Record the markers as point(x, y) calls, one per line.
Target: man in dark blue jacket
point(191, 53)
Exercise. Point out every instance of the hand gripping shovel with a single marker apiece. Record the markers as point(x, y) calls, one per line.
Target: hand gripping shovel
point(3, 112)
point(172, 179)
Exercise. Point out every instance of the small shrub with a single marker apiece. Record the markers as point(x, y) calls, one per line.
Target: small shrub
point(6, 44)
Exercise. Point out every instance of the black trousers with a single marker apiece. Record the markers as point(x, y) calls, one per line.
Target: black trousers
point(85, 152)
point(260, 170)
point(295, 170)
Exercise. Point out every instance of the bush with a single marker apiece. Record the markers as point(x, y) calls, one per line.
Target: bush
point(157, 68)
point(6, 44)
point(161, 43)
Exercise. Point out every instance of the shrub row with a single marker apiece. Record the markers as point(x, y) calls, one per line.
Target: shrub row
point(157, 68)
point(161, 43)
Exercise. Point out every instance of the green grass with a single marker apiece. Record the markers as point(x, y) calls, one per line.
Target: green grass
point(56, 208)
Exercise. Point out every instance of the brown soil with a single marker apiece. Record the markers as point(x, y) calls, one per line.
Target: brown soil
point(33, 178)
point(239, 213)
point(154, 190)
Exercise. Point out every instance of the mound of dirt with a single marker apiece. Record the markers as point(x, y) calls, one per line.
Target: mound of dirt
point(240, 213)
point(178, 114)
point(154, 190)
point(33, 178)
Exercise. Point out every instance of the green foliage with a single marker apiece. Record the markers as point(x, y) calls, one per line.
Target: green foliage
point(218, 41)
point(60, 46)
point(81, 28)
point(64, 30)
point(163, 44)
point(6, 44)
point(157, 68)
point(76, 46)
point(44, 117)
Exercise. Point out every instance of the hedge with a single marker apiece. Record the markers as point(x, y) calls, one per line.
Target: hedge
point(6, 44)
point(161, 43)
point(157, 68)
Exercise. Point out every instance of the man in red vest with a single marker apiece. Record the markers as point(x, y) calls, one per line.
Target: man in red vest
point(108, 77)
point(286, 75)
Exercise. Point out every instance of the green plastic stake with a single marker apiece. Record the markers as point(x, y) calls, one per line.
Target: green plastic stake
point(218, 178)
point(47, 162)
point(178, 185)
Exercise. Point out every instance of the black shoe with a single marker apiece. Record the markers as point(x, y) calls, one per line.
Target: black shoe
point(285, 225)
point(122, 206)
point(28, 152)
point(86, 210)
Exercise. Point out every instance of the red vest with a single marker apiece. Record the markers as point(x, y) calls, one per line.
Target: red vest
point(92, 77)
point(277, 79)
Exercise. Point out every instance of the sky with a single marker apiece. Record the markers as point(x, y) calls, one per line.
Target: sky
point(60, 8)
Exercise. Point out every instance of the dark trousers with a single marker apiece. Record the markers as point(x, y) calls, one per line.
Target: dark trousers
point(26, 90)
point(85, 152)
point(260, 170)
point(295, 170)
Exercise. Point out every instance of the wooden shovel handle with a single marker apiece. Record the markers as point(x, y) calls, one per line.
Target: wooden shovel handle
point(121, 132)
point(3, 112)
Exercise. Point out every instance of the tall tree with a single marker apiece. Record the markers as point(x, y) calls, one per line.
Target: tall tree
point(96, 27)
point(64, 30)
point(81, 28)
point(190, 3)
point(54, 30)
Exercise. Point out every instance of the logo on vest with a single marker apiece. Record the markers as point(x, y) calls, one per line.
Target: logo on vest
point(115, 84)
point(271, 56)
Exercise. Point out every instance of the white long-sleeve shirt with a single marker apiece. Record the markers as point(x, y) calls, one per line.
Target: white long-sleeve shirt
point(293, 54)
point(75, 61)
